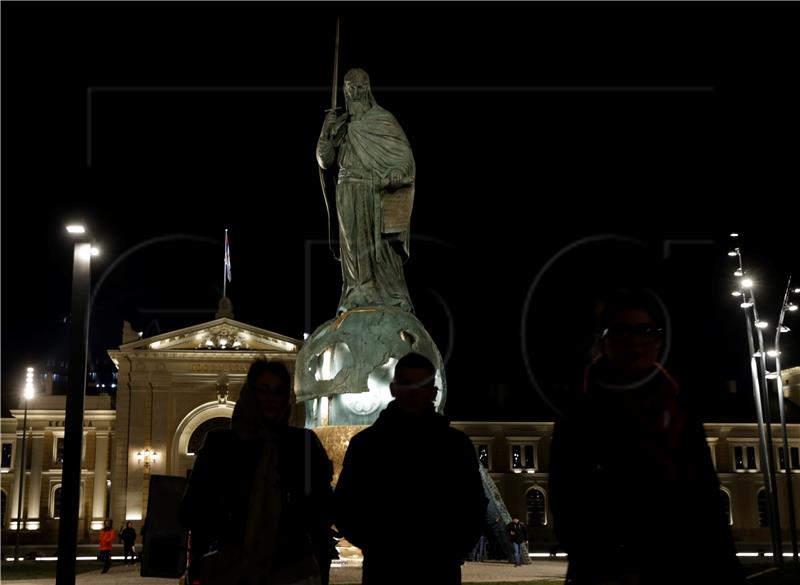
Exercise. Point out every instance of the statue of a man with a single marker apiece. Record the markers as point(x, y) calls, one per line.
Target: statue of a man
point(374, 196)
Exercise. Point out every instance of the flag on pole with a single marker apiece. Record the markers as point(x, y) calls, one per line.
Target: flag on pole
point(227, 258)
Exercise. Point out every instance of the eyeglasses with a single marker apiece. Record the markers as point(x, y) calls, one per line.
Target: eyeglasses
point(644, 331)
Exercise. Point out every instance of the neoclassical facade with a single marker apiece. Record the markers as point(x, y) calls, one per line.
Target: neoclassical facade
point(174, 387)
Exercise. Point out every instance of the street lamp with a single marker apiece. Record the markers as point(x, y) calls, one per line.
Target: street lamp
point(73, 420)
point(26, 395)
point(787, 460)
point(761, 399)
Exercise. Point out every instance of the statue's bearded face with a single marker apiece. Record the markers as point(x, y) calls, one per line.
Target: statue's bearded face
point(356, 93)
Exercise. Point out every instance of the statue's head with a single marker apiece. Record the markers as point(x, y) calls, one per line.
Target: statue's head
point(357, 93)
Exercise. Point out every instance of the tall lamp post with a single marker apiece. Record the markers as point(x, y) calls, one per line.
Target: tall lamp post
point(761, 398)
point(27, 395)
point(787, 458)
point(73, 420)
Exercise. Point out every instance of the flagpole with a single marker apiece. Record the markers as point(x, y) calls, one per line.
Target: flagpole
point(225, 265)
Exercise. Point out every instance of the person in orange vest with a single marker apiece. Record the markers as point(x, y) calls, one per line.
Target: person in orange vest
point(107, 536)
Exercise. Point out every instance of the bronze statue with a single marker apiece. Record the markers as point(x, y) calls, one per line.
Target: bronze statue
point(374, 196)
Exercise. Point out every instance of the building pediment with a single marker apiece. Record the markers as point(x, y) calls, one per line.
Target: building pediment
point(223, 335)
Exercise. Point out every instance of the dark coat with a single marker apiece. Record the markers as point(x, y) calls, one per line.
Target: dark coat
point(633, 488)
point(215, 505)
point(128, 536)
point(520, 532)
point(411, 483)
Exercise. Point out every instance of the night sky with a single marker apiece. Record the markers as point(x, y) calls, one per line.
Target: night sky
point(561, 150)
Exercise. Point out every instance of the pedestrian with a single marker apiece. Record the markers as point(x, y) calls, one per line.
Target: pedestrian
point(518, 535)
point(128, 537)
point(107, 536)
point(631, 475)
point(411, 478)
point(259, 499)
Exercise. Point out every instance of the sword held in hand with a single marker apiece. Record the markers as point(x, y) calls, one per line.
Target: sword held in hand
point(335, 87)
point(332, 109)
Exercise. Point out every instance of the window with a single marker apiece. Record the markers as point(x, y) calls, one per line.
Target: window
point(56, 510)
point(483, 449)
point(483, 455)
point(523, 456)
point(725, 500)
point(8, 451)
point(59, 458)
point(535, 503)
point(794, 454)
point(745, 458)
point(2, 508)
point(55, 501)
point(763, 515)
point(58, 448)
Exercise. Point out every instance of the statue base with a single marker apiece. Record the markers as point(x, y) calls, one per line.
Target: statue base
point(343, 371)
point(335, 440)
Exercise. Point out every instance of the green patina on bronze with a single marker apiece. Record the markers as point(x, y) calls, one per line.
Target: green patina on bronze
point(374, 196)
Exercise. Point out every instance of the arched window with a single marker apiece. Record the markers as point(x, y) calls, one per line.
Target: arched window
point(199, 435)
point(725, 500)
point(55, 501)
point(56, 506)
point(763, 515)
point(535, 502)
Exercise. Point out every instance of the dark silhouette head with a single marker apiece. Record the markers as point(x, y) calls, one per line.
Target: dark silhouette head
point(414, 384)
point(264, 401)
point(630, 331)
point(271, 387)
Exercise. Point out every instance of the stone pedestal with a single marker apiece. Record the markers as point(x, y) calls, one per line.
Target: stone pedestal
point(335, 440)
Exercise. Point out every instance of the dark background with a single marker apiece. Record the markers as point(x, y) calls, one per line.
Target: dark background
point(544, 135)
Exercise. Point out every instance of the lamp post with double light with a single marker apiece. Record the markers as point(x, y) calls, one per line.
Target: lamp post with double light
point(754, 327)
point(790, 307)
point(26, 395)
point(73, 420)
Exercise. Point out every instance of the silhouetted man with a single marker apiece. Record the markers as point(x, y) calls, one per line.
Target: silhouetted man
point(128, 537)
point(518, 535)
point(410, 481)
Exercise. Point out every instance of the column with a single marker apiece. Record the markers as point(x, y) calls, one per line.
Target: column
point(100, 471)
point(18, 471)
point(160, 433)
point(121, 458)
point(138, 434)
point(34, 481)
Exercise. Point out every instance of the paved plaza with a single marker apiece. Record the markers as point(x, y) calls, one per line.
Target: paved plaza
point(471, 572)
